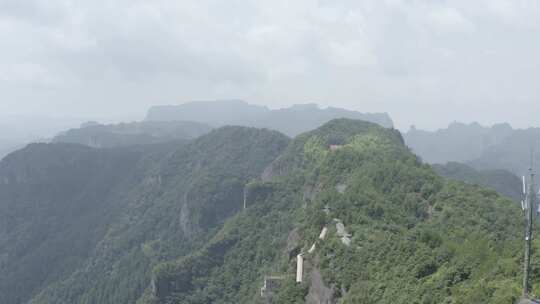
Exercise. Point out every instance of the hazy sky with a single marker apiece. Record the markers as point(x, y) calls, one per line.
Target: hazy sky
point(425, 62)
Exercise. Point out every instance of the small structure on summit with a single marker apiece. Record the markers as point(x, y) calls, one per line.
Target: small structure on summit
point(271, 285)
point(300, 257)
point(245, 196)
point(326, 209)
point(340, 188)
point(342, 233)
point(323, 233)
point(335, 147)
point(299, 268)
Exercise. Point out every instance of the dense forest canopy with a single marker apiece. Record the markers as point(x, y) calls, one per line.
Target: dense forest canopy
point(415, 238)
point(207, 220)
point(504, 182)
point(76, 220)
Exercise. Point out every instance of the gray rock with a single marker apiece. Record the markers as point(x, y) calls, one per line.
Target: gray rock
point(528, 301)
point(341, 188)
point(318, 292)
point(293, 243)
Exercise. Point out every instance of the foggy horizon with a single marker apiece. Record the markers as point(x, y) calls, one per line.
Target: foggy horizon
point(426, 64)
point(74, 120)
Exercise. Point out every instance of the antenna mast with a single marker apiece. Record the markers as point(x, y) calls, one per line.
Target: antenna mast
point(529, 203)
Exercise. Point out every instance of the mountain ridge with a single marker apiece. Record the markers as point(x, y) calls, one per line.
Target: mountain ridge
point(207, 220)
point(134, 133)
point(291, 121)
point(367, 180)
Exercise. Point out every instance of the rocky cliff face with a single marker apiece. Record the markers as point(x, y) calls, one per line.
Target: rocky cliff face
point(319, 293)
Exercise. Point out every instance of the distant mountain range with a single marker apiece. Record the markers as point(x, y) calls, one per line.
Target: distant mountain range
point(512, 153)
point(291, 121)
point(18, 131)
point(483, 148)
point(459, 142)
point(480, 147)
point(503, 181)
point(129, 134)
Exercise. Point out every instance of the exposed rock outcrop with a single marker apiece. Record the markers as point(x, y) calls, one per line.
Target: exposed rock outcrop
point(319, 293)
point(293, 243)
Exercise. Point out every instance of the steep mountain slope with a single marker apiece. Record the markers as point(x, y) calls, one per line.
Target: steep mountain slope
point(396, 232)
point(165, 223)
point(291, 121)
point(55, 204)
point(504, 182)
point(84, 225)
point(7, 146)
point(134, 133)
point(459, 142)
point(483, 148)
point(512, 154)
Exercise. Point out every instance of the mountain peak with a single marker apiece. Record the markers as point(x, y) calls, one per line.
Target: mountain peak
point(292, 121)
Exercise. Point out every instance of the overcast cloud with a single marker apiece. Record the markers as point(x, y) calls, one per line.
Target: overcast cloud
point(424, 62)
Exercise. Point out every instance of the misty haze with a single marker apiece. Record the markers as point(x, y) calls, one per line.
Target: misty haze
point(269, 152)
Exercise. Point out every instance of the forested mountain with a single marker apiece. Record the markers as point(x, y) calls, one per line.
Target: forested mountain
point(56, 202)
point(134, 133)
point(166, 223)
point(81, 225)
point(503, 181)
point(459, 142)
point(483, 148)
point(291, 121)
point(17, 131)
point(513, 153)
point(397, 232)
point(8, 146)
